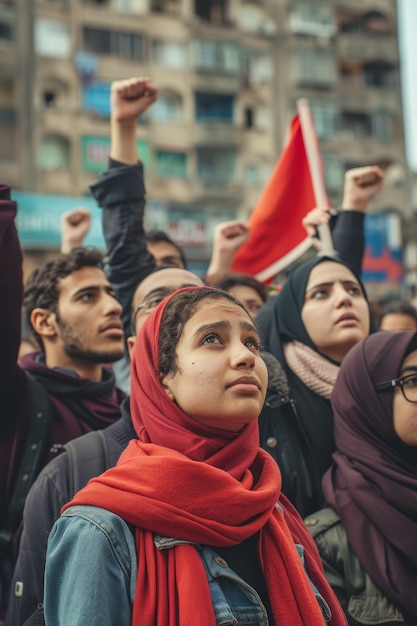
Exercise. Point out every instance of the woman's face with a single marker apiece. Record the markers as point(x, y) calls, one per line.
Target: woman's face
point(249, 297)
point(221, 379)
point(335, 312)
point(405, 412)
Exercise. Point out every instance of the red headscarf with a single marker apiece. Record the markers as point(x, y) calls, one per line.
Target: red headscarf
point(207, 487)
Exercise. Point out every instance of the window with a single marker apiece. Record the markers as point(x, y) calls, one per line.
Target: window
point(252, 176)
point(214, 11)
point(325, 118)
point(7, 24)
point(381, 125)
point(138, 7)
point(54, 93)
point(313, 19)
point(54, 153)
point(214, 107)
point(258, 67)
point(316, 67)
point(251, 17)
point(118, 43)
point(52, 38)
point(171, 164)
point(334, 174)
point(380, 75)
point(356, 124)
point(7, 132)
point(248, 116)
point(167, 107)
point(376, 24)
point(170, 54)
point(217, 55)
point(216, 166)
point(166, 6)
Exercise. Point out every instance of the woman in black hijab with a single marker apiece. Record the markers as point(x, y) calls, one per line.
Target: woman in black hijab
point(321, 312)
point(367, 539)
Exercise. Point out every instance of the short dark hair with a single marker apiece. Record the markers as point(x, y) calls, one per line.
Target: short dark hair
point(42, 286)
point(235, 279)
point(155, 236)
point(178, 311)
point(401, 307)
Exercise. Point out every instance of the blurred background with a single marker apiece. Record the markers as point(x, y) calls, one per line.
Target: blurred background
point(229, 73)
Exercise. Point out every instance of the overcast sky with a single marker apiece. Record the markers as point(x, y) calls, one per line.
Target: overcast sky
point(407, 23)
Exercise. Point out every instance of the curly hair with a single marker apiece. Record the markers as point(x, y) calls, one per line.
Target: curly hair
point(42, 286)
point(178, 311)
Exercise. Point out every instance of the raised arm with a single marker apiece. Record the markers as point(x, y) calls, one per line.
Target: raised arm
point(11, 296)
point(120, 192)
point(361, 185)
point(75, 225)
point(227, 239)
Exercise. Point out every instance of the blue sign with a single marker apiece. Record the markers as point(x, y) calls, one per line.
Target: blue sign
point(39, 219)
point(383, 260)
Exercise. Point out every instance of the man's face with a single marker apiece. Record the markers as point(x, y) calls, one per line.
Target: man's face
point(153, 289)
point(165, 253)
point(88, 325)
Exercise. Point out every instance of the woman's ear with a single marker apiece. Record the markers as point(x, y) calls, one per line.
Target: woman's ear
point(166, 383)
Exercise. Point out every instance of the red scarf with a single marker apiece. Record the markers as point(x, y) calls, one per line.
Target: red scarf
point(208, 487)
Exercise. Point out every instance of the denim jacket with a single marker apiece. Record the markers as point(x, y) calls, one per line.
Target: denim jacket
point(101, 591)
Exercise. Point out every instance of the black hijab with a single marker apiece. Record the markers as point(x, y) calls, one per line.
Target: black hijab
point(279, 322)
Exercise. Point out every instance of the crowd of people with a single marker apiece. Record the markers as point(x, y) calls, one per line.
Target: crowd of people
point(180, 450)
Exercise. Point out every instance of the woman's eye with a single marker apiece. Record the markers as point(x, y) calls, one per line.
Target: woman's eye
point(317, 295)
point(411, 381)
point(354, 291)
point(211, 339)
point(253, 343)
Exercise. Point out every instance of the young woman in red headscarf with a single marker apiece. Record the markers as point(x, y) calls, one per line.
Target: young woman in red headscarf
point(190, 527)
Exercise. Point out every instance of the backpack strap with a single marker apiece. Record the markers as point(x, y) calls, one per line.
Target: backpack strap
point(88, 456)
point(40, 419)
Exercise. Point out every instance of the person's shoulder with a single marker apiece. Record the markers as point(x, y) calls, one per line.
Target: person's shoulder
point(322, 521)
point(109, 524)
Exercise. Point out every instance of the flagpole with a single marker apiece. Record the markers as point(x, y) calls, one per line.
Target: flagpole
point(313, 158)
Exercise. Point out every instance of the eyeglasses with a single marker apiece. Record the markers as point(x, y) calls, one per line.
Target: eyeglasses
point(407, 384)
point(149, 305)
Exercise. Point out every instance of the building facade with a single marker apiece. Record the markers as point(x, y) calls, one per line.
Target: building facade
point(229, 74)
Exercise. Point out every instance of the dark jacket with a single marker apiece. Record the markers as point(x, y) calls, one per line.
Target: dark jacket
point(361, 600)
point(282, 435)
point(51, 490)
point(79, 406)
point(120, 192)
point(297, 428)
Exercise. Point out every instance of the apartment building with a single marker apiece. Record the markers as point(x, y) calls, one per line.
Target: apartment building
point(229, 74)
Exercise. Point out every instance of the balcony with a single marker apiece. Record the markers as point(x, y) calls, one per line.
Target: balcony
point(358, 46)
point(217, 134)
point(217, 189)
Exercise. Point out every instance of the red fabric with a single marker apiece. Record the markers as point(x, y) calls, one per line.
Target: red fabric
point(276, 236)
point(181, 481)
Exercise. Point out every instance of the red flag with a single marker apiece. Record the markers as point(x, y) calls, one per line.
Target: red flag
point(277, 237)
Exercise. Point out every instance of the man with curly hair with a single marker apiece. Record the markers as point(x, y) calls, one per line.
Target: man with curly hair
point(75, 318)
